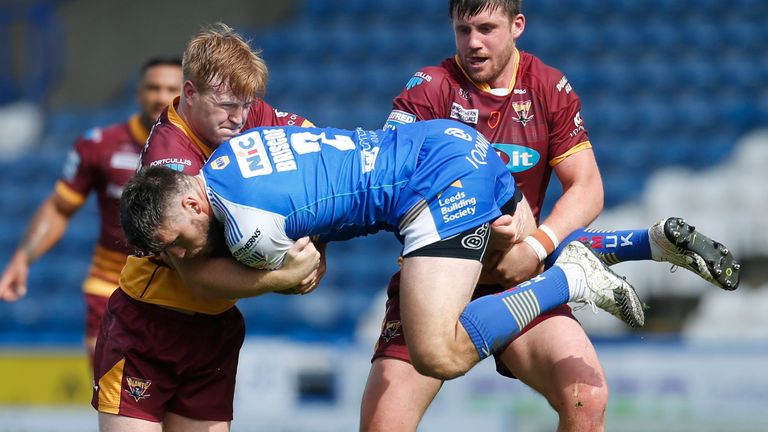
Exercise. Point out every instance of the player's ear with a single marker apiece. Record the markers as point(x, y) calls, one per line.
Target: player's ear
point(188, 89)
point(191, 203)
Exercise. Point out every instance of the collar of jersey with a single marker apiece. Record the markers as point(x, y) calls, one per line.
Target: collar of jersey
point(138, 132)
point(484, 86)
point(177, 121)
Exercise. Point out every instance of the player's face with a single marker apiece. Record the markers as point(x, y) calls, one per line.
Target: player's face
point(217, 114)
point(159, 85)
point(185, 235)
point(485, 43)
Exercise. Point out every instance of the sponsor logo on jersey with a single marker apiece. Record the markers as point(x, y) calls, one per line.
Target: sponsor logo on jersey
point(564, 84)
point(456, 206)
point(579, 123)
point(417, 78)
point(251, 155)
point(476, 240)
point(253, 240)
point(70, 166)
point(175, 164)
point(124, 160)
point(137, 388)
point(478, 154)
point(519, 91)
point(220, 162)
point(391, 330)
point(401, 117)
point(517, 158)
point(369, 142)
point(464, 94)
point(291, 117)
point(523, 111)
point(458, 112)
point(280, 150)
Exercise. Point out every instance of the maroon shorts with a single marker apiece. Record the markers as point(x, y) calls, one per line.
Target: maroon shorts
point(150, 360)
point(392, 343)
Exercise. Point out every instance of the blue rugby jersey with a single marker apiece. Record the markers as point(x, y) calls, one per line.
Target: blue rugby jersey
point(272, 185)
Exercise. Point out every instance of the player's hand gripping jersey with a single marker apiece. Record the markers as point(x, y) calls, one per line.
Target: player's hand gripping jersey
point(427, 182)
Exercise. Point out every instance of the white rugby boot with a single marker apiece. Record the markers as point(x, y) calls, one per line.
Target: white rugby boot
point(597, 285)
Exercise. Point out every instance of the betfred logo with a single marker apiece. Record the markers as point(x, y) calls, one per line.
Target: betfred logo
point(251, 155)
point(517, 158)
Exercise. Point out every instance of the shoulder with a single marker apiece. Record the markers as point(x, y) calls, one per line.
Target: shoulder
point(264, 114)
point(541, 74)
point(169, 146)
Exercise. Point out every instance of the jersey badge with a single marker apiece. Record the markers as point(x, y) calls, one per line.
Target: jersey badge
point(460, 113)
point(390, 331)
point(220, 163)
point(523, 111)
point(137, 388)
point(493, 119)
point(251, 155)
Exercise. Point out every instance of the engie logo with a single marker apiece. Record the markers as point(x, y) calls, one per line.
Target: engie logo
point(251, 155)
point(517, 158)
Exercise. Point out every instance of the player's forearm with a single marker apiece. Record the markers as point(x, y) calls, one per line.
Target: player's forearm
point(46, 229)
point(225, 278)
point(578, 207)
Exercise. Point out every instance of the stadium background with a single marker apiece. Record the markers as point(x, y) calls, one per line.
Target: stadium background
point(674, 98)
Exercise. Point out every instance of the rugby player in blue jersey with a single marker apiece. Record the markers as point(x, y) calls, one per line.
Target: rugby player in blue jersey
point(434, 184)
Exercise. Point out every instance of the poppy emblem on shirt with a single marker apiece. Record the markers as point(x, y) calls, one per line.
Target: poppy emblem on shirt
point(523, 111)
point(137, 388)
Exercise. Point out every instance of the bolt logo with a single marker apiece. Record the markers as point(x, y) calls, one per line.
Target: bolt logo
point(251, 155)
point(517, 158)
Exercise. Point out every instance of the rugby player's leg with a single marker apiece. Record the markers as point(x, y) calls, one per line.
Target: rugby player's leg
point(176, 423)
point(433, 293)
point(396, 396)
point(118, 423)
point(556, 358)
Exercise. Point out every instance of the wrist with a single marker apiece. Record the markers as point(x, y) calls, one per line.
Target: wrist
point(543, 241)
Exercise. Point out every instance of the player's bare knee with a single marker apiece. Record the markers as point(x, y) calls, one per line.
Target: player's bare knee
point(441, 365)
point(582, 407)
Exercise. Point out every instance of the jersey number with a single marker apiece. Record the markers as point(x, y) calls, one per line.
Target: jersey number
point(308, 142)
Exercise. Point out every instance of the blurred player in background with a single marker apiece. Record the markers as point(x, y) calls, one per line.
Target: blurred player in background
point(102, 160)
point(167, 353)
point(531, 115)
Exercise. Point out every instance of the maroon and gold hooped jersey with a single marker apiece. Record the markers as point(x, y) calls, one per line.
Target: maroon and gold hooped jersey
point(173, 144)
point(103, 160)
point(534, 125)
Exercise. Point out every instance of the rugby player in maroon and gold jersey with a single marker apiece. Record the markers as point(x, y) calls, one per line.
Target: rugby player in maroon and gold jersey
point(531, 115)
point(167, 353)
point(102, 161)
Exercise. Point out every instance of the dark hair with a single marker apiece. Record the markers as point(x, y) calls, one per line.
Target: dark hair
point(470, 8)
point(143, 205)
point(159, 61)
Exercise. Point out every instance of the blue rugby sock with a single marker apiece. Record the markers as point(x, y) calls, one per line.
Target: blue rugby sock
point(612, 246)
point(492, 321)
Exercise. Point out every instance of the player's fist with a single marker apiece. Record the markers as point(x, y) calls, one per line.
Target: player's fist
point(13, 283)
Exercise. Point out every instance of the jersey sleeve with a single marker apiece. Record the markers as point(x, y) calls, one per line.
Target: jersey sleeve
point(172, 150)
point(423, 98)
point(255, 237)
point(567, 132)
point(77, 177)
